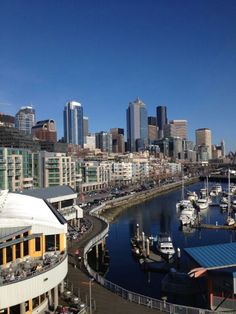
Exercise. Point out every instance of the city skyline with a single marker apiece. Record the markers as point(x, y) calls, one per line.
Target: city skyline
point(103, 56)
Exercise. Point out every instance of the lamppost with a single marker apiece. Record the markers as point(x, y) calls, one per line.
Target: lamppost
point(90, 295)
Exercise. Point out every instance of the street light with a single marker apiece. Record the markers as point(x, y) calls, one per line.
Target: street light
point(90, 295)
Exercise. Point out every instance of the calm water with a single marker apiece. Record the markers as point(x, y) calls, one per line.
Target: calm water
point(157, 215)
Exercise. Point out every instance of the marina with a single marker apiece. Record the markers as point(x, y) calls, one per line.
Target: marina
point(147, 274)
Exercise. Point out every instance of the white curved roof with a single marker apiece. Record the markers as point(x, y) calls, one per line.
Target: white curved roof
point(22, 210)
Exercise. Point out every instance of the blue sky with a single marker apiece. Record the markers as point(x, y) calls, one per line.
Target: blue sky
point(105, 53)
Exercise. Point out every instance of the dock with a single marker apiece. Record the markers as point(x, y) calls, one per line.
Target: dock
point(215, 227)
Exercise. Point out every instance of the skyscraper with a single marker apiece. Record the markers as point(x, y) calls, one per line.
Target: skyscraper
point(181, 128)
point(25, 119)
point(73, 123)
point(118, 143)
point(161, 120)
point(152, 129)
point(203, 139)
point(137, 127)
point(86, 126)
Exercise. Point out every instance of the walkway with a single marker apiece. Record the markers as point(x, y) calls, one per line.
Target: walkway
point(106, 301)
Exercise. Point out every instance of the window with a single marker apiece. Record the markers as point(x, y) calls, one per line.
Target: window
point(37, 244)
point(9, 254)
point(50, 242)
point(1, 257)
point(26, 248)
point(18, 250)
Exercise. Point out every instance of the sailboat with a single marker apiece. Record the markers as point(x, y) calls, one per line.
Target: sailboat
point(229, 221)
point(184, 203)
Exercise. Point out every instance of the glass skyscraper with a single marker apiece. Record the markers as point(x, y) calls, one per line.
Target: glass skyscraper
point(161, 120)
point(25, 119)
point(73, 123)
point(137, 126)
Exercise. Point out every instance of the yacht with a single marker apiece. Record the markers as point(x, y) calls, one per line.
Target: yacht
point(183, 204)
point(165, 246)
point(202, 203)
point(192, 196)
point(234, 204)
point(188, 216)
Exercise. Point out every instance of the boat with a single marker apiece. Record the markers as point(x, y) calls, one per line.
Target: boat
point(234, 204)
point(188, 216)
point(230, 221)
point(216, 189)
point(184, 202)
point(165, 246)
point(192, 196)
point(202, 203)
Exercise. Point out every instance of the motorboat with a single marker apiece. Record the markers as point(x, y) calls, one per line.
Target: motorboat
point(216, 189)
point(234, 204)
point(203, 193)
point(192, 196)
point(230, 221)
point(183, 204)
point(202, 203)
point(165, 246)
point(188, 216)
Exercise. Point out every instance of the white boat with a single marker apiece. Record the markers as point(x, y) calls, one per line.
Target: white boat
point(229, 221)
point(202, 203)
point(183, 204)
point(192, 196)
point(188, 216)
point(234, 204)
point(203, 193)
point(165, 246)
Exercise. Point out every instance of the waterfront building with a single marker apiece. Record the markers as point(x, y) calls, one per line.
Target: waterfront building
point(95, 175)
point(121, 172)
point(45, 130)
point(181, 128)
point(63, 199)
point(12, 137)
point(203, 138)
point(174, 168)
point(33, 254)
point(118, 142)
point(161, 120)
point(16, 169)
point(137, 127)
point(25, 119)
point(56, 169)
point(73, 123)
point(104, 141)
point(6, 120)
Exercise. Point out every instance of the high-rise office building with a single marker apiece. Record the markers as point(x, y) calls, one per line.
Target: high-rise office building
point(86, 126)
point(104, 141)
point(203, 139)
point(152, 129)
point(118, 142)
point(161, 120)
point(45, 130)
point(25, 119)
point(169, 130)
point(73, 123)
point(137, 127)
point(181, 128)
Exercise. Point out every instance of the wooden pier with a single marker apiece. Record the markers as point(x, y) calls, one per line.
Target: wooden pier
point(215, 227)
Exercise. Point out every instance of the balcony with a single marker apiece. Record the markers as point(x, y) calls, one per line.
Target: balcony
point(31, 276)
point(2, 160)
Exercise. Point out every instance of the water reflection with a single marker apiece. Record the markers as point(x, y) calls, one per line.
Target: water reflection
point(153, 217)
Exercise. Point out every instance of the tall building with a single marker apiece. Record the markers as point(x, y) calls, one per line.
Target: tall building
point(45, 130)
point(161, 120)
point(73, 123)
point(152, 129)
point(85, 126)
point(90, 141)
point(169, 130)
point(118, 142)
point(137, 127)
point(181, 128)
point(25, 119)
point(203, 139)
point(104, 141)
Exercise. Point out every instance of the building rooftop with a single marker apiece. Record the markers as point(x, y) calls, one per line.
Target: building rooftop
point(50, 192)
point(214, 256)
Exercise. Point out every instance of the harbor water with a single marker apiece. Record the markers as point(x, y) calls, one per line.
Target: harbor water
point(155, 216)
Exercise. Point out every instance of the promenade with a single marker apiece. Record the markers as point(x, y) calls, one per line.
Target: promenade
point(106, 301)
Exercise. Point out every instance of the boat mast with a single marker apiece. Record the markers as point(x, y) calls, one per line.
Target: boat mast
point(182, 195)
point(229, 192)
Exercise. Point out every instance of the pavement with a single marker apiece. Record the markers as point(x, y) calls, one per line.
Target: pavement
point(104, 301)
